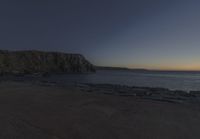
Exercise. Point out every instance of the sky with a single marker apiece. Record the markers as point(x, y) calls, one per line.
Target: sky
point(152, 34)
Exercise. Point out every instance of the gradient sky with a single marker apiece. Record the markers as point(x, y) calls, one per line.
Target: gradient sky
point(153, 34)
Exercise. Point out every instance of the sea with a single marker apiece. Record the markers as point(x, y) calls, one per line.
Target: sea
point(187, 81)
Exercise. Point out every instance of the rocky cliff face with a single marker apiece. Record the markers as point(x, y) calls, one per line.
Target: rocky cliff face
point(29, 62)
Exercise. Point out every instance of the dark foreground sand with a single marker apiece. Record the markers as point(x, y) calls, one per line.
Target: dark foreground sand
point(30, 111)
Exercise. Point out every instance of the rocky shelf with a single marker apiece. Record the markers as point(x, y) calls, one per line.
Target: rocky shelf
point(156, 94)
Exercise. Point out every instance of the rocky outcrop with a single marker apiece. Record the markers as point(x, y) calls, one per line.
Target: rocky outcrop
point(29, 62)
point(150, 93)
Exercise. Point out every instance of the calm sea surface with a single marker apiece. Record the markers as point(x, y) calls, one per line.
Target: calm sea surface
point(172, 80)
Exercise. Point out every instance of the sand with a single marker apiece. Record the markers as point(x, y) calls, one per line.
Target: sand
point(31, 111)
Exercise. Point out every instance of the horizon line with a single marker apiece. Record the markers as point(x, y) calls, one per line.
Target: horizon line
point(147, 69)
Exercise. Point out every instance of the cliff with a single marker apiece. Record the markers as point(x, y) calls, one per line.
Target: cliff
point(29, 62)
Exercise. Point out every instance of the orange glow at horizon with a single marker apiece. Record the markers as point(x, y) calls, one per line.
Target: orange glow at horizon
point(188, 67)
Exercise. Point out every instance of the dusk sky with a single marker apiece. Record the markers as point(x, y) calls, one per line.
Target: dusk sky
point(153, 34)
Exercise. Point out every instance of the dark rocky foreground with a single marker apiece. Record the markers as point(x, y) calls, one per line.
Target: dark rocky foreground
point(44, 110)
point(155, 94)
point(150, 93)
point(30, 62)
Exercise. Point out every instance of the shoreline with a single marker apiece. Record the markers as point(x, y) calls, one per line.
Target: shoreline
point(151, 93)
point(154, 94)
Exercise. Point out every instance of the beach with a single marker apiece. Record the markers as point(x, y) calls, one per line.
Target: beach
point(100, 69)
point(49, 111)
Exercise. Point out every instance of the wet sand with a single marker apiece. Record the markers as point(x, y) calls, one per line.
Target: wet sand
point(32, 111)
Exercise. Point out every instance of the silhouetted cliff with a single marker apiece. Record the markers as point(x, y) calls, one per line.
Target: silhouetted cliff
point(28, 62)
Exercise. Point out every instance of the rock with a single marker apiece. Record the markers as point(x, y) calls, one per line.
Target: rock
point(182, 93)
point(195, 93)
point(31, 62)
point(141, 92)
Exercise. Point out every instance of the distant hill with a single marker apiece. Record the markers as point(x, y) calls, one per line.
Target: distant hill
point(118, 68)
point(29, 62)
point(110, 68)
point(145, 70)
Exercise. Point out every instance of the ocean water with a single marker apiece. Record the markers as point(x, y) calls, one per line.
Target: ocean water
point(173, 80)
